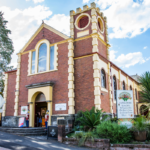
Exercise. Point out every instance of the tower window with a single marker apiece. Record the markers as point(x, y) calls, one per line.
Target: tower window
point(83, 22)
point(101, 24)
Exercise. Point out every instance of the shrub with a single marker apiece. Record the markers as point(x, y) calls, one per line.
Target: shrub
point(116, 133)
point(90, 119)
point(140, 124)
point(83, 136)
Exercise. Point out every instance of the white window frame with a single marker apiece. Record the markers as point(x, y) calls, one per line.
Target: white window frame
point(37, 56)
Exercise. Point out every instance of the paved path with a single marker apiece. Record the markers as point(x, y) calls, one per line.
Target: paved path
point(14, 142)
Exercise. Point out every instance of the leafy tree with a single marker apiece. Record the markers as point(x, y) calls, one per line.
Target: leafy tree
point(145, 91)
point(145, 87)
point(6, 49)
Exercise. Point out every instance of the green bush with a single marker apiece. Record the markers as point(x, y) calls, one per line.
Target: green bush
point(90, 119)
point(116, 133)
point(140, 124)
point(83, 136)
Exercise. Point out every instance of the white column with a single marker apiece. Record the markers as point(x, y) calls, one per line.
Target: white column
point(110, 88)
point(17, 86)
point(31, 116)
point(5, 94)
point(71, 102)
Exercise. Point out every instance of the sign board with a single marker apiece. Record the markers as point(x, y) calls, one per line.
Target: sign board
point(125, 107)
point(22, 122)
point(126, 122)
point(61, 106)
point(2, 102)
point(52, 132)
point(24, 110)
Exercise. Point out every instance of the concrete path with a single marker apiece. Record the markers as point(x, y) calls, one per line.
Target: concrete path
point(14, 142)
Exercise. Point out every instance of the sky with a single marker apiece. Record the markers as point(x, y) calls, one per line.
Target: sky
point(128, 26)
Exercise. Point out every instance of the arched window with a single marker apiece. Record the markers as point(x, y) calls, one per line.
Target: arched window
point(130, 87)
point(115, 87)
point(136, 94)
point(123, 86)
point(42, 60)
point(103, 78)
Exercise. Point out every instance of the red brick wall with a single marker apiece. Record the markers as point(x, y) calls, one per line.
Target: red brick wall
point(83, 47)
point(60, 79)
point(11, 94)
point(105, 104)
point(102, 49)
point(84, 84)
point(49, 35)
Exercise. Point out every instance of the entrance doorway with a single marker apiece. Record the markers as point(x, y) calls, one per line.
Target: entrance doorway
point(40, 110)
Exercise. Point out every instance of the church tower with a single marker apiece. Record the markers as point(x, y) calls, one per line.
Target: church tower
point(88, 29)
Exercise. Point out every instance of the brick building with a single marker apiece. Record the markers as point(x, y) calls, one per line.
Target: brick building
point(66, 74)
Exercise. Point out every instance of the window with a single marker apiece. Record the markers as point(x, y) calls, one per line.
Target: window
point(33, 63)
point(83, 22)
point(100, 24)
point(124, 87)
point(136, 94)
point(103, 78)
point(52, 57)
point(42, 60)
point(115, 87)
point(130, 87)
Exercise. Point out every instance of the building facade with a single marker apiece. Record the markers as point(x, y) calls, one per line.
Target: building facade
point(74, 71)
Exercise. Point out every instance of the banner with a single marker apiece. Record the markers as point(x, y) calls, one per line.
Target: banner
point(22, 122)
point(2, 102)
point(125, 107)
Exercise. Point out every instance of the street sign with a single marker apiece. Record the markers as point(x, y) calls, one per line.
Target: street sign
point(125, 107)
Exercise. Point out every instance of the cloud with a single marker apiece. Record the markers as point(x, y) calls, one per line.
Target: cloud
point(60, 22)
point(145, 47)
point(86, 1)
point(24, 23)
point(37, 1)
point(126, 18)
point(127, 60)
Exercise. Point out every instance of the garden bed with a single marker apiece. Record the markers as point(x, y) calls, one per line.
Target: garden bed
point(97, 143)
point(130, 147)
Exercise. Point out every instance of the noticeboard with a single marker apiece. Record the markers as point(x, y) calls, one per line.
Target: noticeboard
point(52, 132)
point(125, 107)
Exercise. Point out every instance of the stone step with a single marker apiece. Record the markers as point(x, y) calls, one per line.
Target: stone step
point(25, 131)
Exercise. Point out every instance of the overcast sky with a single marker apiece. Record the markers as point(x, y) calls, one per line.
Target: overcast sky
point(128, 26)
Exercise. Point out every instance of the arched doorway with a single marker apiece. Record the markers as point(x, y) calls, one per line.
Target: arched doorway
point(40, 110)
point(144, 110)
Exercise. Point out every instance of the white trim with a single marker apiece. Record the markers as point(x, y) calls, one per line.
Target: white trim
point(104, 89)
point(102, 22)
point(77, 20)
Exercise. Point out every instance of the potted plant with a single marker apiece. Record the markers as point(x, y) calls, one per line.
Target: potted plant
point(140, 128)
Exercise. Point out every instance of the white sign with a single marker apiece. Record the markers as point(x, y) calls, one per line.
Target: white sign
point(24, 110)
point(2, 102)
point(125, 104)
point(61, 106)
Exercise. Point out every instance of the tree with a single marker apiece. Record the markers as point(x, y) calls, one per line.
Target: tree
point(145, 87)
point(6, 50)
point(145, 90)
